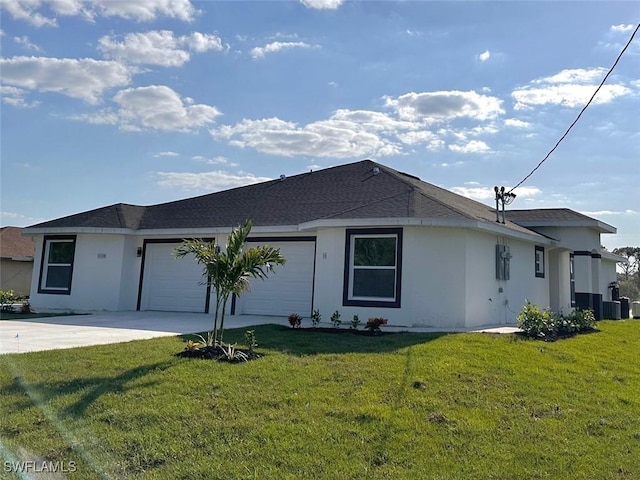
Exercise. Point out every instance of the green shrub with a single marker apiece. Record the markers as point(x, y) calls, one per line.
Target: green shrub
point(315, 318)
point(355, 322)
point(7, 299)
point(335, 319)
point(548, 325)
point(537, 323)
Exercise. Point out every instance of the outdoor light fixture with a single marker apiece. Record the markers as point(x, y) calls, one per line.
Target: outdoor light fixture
point(139, 252)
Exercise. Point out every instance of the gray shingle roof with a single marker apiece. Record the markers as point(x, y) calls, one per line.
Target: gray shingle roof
point(541, 217)
point(350, 191)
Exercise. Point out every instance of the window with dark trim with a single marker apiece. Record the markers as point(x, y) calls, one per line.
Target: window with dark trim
point(539, 261)
point(373, 267)
point(56, 268)
point(572, 279)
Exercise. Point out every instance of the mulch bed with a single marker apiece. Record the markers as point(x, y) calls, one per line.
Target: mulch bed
point(350, 331)
point(215, 353)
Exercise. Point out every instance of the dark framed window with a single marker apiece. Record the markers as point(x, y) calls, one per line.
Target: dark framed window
point(539, 261)
point(373, 267)
point(572, 279)
point(56, 268)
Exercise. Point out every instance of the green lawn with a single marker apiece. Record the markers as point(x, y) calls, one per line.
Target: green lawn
point(322, 405)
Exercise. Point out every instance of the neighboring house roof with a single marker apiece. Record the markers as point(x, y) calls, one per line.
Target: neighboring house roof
point(13, 245)
point(557, 217)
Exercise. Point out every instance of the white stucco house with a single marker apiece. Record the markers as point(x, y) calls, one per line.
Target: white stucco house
point(359, 238)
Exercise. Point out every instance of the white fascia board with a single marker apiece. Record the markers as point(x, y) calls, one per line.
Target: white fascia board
point(32, 231)
point(595, 224)
point(426, 222)
point(198, 232)
point(606, 255)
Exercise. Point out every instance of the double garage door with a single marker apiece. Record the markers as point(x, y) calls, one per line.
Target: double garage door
point(176, 285)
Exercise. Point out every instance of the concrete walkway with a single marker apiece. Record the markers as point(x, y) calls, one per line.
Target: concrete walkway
point(49, 333)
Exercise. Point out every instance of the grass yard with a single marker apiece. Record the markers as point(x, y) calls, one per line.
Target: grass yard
point(321, 405)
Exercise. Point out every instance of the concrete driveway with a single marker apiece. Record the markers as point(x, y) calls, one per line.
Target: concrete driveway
point(51, 333)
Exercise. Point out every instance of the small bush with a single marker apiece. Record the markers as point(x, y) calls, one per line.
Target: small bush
point(315, 318)
point(547, 325)
point(355, 322)
point(7, 299)
point(250, 340)
point(374, 324)
point(335, 319)
point(295, 320)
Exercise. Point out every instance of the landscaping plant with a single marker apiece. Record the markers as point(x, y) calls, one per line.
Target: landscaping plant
point(374, 324)
point(315, 318)
point(230, 271)
point(335, 319)
point(355, 322)
point(295, 320)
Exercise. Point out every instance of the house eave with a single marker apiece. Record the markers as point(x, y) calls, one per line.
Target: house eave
point(426, 222)
point(594, 224)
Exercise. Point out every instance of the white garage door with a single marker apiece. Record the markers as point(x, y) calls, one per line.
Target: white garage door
point(289, 289)
point(170, 284)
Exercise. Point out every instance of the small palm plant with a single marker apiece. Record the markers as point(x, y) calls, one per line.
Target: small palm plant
point(230, 271)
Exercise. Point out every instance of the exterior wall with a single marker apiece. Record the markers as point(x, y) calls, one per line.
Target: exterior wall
point(433, 286)
point(97, 275)
point(575, 238)
point(490, 301)
point(16, 276)
point(559, 280)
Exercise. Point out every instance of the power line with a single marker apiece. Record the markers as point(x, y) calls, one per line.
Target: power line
point(581, 111)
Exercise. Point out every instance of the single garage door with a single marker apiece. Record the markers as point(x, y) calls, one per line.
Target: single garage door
point(289, 289)
point(170, 284)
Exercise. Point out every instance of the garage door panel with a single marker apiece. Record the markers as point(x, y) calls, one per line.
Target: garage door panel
point(289, 288)
point(171, 284)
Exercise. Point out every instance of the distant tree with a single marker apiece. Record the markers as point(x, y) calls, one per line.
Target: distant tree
point(632, 254)
point(629, 279)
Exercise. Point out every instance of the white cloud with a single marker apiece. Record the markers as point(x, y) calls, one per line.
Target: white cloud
point(26, 43)
point(474, 146)
point(274, 47)
point(157, 47)
point(567, 95)
point(15, 97)
point(85, 78)
point(444, 106)
point(155, 107)
point(209, 181)
point(515, 123)
point(167, 154)
point(322, 4)
point(611, 212)
point(487, 193)
point(219, 160)
point(27, 10)
point(484, 56)
point(570, 88)
point(576, 75)
point(622, 28)
point(327, 138)
point(17, 219)
point(31, 11)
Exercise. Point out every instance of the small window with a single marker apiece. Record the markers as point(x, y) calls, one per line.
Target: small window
point(57, 265)
point(373, 260)
point(572, 279)
point(539, 261)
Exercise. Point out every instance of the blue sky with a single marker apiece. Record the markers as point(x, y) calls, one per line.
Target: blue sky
point(155, 100)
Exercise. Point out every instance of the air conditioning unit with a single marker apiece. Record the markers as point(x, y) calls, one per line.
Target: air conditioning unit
point(611, 310)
